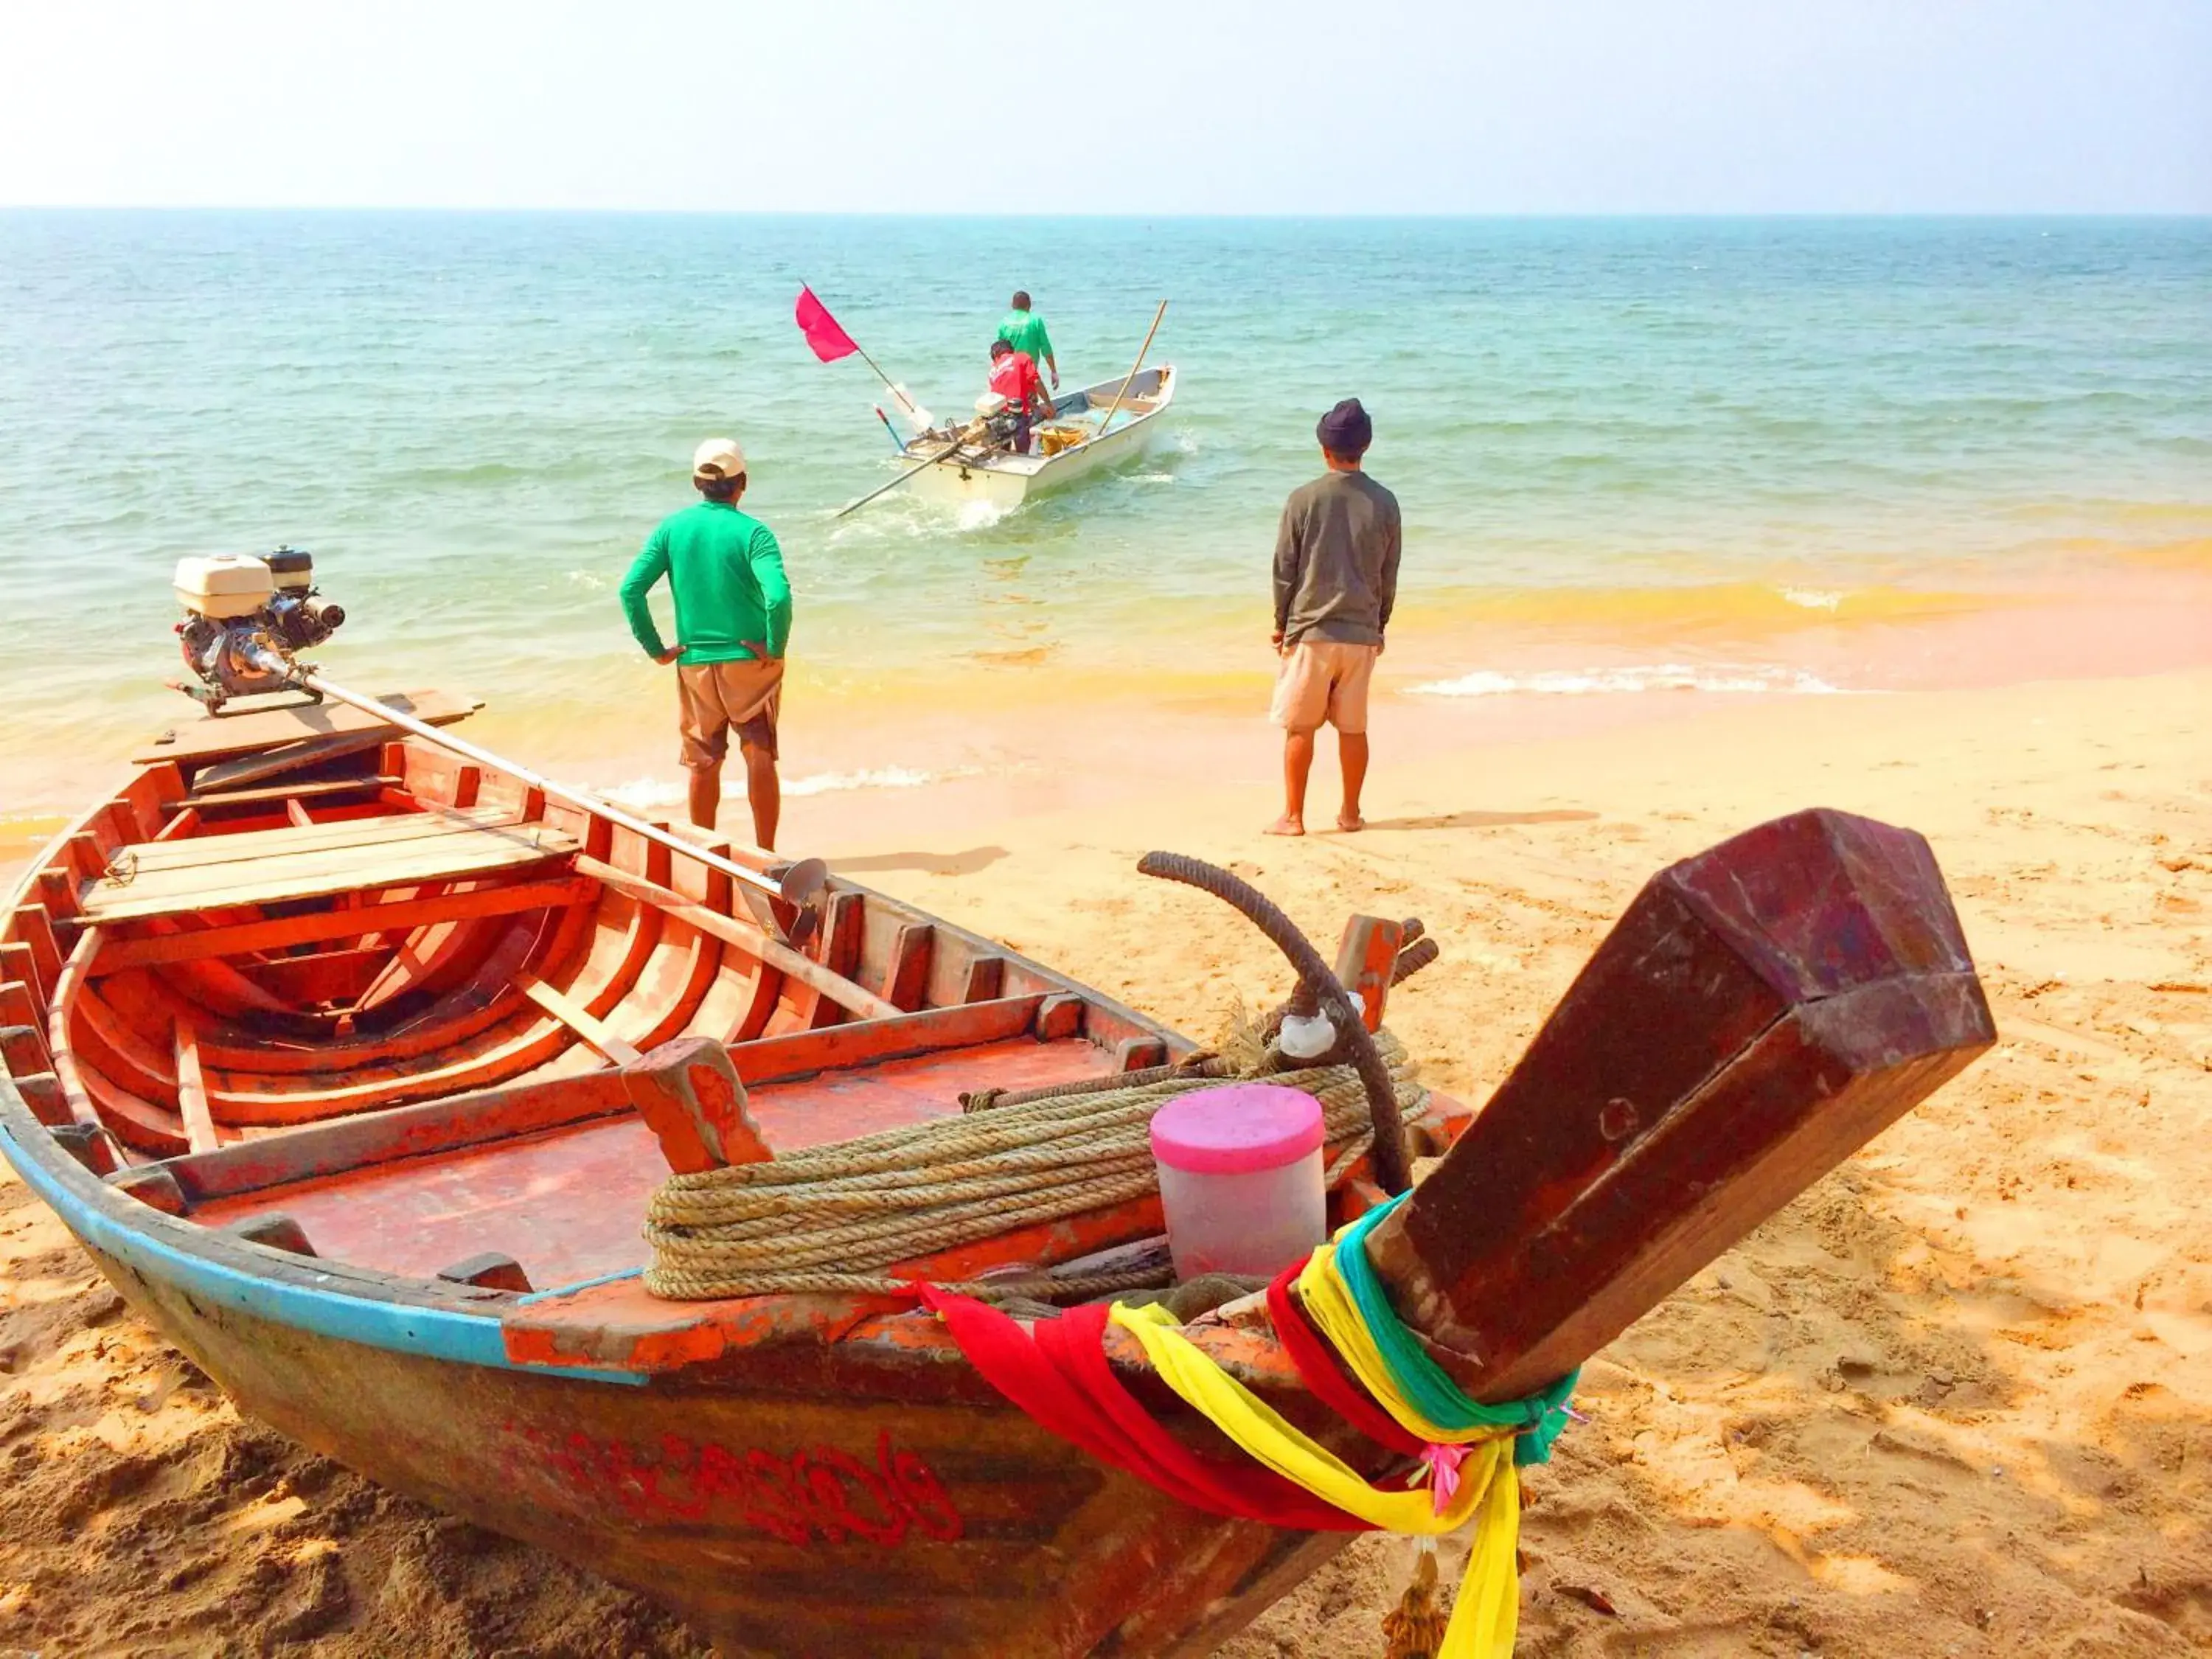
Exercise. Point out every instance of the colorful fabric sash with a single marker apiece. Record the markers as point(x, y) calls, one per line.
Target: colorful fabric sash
point(1340, 1289)
point(1057, 1373)
point(1487, 1489)
point(1324, 1377)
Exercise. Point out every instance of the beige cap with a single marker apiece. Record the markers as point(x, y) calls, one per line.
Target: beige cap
point(717, 457)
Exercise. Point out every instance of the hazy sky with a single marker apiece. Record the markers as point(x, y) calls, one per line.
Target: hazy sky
point(1115, 106)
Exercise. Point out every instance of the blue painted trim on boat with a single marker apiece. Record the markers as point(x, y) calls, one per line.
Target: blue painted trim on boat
point(581, 1284)
point(433, 1333)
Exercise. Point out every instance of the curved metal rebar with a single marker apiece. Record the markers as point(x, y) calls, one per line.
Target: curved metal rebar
point(1414, 957)
point(1393, 1173)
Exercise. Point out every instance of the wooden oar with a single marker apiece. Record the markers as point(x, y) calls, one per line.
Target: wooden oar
point(1131, 375)
point(795, 884)
point(942, 455)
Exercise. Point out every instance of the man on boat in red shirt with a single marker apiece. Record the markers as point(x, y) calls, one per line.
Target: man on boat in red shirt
point(1014, 377)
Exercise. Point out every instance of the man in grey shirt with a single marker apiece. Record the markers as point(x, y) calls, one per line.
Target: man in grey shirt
point(1336, 579)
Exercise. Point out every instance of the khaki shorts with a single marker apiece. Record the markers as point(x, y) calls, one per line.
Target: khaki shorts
point(1324, 680)
point(713, 697)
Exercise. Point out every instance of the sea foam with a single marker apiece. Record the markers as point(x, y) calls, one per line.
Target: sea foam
point(645, 794)
point(1641, 677)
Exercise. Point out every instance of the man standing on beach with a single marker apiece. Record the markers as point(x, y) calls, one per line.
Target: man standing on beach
point(1336, 579)
point(1024, 329)
point(732, 620)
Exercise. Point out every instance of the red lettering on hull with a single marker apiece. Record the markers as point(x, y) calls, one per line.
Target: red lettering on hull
point(818, 1494)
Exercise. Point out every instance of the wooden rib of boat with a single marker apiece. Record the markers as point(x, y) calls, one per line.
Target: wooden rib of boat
point(1058, 457)
point(355, 1080)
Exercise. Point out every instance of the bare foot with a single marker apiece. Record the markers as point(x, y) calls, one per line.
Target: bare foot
point(1351, 825)
point(1287, 825)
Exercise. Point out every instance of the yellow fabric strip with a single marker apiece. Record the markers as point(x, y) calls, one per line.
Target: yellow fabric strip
point(1486, 1612)
point(1325, 1297)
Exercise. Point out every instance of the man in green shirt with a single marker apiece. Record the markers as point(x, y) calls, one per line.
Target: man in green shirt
point(1024, 329)
point(732, 620)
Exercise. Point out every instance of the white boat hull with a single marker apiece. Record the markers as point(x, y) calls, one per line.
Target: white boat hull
point(1006, 481)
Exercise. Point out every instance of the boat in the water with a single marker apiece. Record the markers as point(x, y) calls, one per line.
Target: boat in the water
point(356, 1065)
point(1064, 449)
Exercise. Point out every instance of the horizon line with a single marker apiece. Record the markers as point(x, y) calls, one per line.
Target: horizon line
point(1441, 215)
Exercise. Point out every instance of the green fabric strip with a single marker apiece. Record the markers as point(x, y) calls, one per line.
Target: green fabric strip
point(1540, 1418)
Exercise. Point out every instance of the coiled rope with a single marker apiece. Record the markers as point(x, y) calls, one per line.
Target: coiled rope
point(831, 1219)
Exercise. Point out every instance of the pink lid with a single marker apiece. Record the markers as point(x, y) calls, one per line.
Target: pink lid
point(1237, 1130)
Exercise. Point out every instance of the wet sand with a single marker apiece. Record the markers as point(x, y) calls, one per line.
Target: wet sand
point(1955, 1401)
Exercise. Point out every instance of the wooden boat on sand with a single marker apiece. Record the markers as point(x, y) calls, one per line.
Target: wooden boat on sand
point(356, 1066)
point(1065, 449)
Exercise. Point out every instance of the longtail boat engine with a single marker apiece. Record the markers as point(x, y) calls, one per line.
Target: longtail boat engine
point(244, 618)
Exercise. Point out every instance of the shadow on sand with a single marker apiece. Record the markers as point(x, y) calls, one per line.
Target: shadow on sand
point(935, 864)
point(1472, 820)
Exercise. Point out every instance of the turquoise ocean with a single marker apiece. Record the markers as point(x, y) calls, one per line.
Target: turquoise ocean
point(1637, 426)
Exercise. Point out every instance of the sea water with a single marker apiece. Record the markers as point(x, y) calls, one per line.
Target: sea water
point(1607, 436)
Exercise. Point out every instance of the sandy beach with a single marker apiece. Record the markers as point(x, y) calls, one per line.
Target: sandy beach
point(1780, 407)
point(1955, 1401)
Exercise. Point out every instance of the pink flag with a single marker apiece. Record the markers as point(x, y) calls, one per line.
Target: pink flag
point(828, 340)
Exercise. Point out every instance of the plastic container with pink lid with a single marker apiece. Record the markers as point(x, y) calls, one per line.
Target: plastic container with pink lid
point(1241, 1178)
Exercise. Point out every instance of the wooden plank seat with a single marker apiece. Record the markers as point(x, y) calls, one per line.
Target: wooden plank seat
point(198, 873)
point(279, 793)
point(199, 944)
point(253, 732)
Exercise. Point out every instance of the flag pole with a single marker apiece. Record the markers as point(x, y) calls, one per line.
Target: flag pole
point(904, 401)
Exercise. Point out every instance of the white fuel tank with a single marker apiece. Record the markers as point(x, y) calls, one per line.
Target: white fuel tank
point(223, 584)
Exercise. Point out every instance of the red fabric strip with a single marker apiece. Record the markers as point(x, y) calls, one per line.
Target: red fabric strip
point(1324, 1375)
point(1076, 1341)
point(997, 1347)
point(1058, 1374)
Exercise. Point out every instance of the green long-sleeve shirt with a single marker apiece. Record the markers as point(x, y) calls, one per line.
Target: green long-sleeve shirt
point(1024, 331)
point(726, 573)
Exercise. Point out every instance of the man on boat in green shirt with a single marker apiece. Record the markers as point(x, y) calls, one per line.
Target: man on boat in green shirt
point(1024, 329)
point(732, 621)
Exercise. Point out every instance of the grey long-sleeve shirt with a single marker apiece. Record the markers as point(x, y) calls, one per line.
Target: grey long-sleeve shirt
point(1336, 561)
